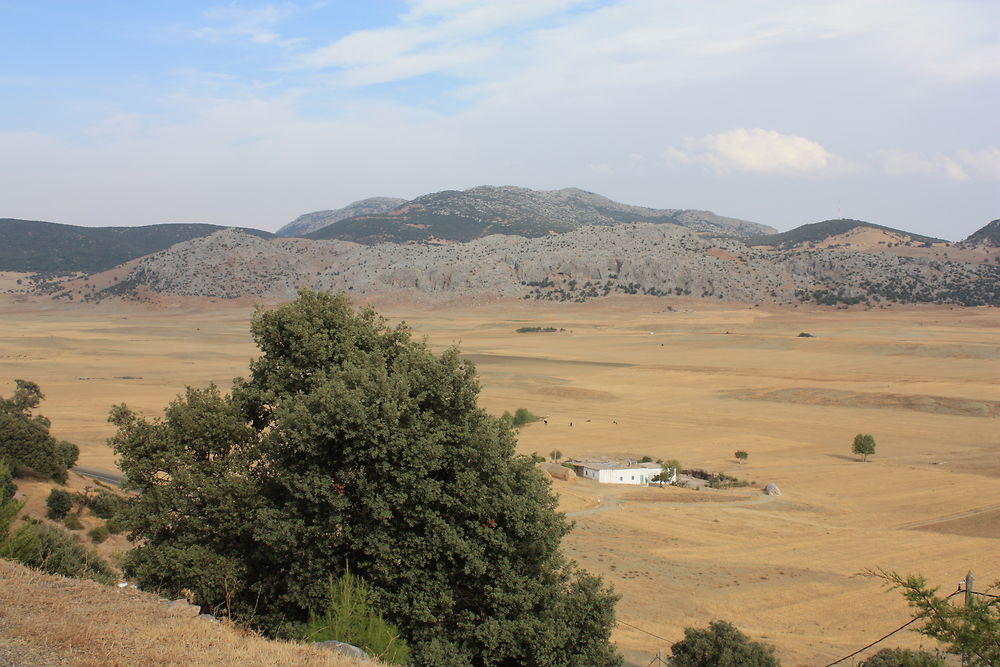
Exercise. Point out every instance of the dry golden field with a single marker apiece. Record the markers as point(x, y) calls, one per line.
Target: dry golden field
point(628, 377)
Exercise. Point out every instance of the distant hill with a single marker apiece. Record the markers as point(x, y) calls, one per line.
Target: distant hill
point(820, 231)
point(988, 235)
point(35, 246)
point(459, 216)
point(310, 222)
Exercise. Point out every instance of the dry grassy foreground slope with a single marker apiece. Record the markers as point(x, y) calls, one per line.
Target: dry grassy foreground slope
point(923, 381)
point(51, 620)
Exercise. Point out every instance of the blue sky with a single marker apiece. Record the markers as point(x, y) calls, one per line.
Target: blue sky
point(246, 113)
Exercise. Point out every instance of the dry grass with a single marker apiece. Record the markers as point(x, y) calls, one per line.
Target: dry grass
point(51, 620)
point(783, 571)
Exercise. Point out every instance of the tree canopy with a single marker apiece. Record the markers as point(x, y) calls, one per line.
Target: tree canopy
point(864, 444)
point(24, 438)
point(353, 445)
point(720, 645)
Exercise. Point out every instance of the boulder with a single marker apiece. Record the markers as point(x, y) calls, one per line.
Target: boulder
point(343, 649)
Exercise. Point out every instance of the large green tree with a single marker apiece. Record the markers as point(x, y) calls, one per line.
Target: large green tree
point(720, 645)
point(353, 445)
point(24, 438)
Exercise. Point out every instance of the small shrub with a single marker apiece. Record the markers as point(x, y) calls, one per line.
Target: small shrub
point(72, 521)
point(536, 330)
point(98, 534)
point(646, 459)
point(904, 657)
point(56, 551)
point(114, 525)
point(524, 416)
point(105, 505)
point(59, 504)
point(7, 487)
point(741, 456)
point(806, 335)
point(350, 618)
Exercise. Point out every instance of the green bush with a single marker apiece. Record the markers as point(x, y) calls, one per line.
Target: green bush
point(721, 645)
point(114, 525)
point(523, 416)
point(59, 552)
point(72, 521)
point(7, 487)
point(904, 657)
point(536, 330)
point(349, 617)
point(21, 544)
point(98, 534)
point(105, 505)
point(59, 504)
point(805, 335)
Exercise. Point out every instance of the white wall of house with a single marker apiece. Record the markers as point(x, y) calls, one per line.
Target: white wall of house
point(640, 476)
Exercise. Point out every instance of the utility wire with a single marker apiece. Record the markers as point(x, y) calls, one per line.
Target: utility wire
point(646, 631)
point(884, 637)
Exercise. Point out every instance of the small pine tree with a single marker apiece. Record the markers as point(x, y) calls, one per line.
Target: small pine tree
point(350, 618)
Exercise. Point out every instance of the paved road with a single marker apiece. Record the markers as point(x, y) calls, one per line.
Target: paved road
point(108, 476)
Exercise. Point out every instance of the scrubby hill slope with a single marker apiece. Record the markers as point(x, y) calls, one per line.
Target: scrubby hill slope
point(591, 262)
point(820, 231)
point(453, 215)
point(987, 235)
point(51, 620)
point(310, 222)
point(32, 245)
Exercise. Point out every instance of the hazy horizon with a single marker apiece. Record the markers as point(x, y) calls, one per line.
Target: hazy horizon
point(252, 113)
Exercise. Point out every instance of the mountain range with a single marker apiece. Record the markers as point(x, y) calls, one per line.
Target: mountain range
point(489, 242)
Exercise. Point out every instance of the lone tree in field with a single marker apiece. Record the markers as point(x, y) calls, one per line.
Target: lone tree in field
point(741, 456)
point(864, 445)
point(25, 439)
point(353, 445)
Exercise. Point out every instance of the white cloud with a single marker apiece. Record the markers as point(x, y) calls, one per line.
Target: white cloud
point(964, 165)
point(754, 150)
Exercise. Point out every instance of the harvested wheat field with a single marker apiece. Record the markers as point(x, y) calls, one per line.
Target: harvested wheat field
point(629, 377)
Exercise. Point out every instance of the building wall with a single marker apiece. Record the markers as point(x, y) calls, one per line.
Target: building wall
point(639, 476)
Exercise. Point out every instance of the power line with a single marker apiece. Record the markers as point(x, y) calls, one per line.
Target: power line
point(620, 622)
point(884, 637)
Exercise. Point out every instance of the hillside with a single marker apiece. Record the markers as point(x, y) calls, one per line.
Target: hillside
point(52, 620)
point(460, 216)
point(820, 231)
point(310, 222)
point(36, 246)
point(987, 235)
point(592, 262)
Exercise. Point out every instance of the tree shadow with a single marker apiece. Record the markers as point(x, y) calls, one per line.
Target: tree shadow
point(844, 457)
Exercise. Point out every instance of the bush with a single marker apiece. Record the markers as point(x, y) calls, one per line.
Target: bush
point(114, 525)
point(7, 487)
point(904, 657)
point(105, 505)
point(72, 521)
point(721, 645)
point(349, 617)
point(98, 534)
point(59, 504)
point(536, 330)
point(523, 416)
point(806, 335)
point(56, 551)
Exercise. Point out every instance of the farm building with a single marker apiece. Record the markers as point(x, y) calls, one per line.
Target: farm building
point(620, 472)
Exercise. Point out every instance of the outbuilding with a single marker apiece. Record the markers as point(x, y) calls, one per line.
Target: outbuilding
point(620, 472)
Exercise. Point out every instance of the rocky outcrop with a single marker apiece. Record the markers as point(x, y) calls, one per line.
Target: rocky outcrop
point(588, 263)
point(310, 222)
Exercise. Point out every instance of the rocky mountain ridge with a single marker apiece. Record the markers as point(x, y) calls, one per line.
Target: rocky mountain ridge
point(663, 260)
point(311, 222)
point(459, 216)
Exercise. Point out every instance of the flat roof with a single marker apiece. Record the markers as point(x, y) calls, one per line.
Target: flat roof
point(616, 465)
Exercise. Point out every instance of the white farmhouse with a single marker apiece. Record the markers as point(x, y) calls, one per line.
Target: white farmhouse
point(620, 472)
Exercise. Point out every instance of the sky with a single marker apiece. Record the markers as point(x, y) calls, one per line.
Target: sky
point(252, 113)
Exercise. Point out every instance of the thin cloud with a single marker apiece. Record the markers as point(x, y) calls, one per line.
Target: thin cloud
point(257, 24)
point(964, 165)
